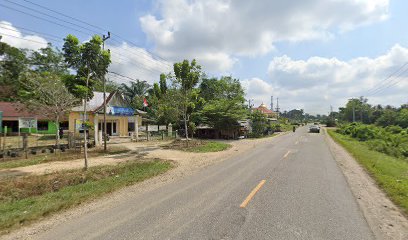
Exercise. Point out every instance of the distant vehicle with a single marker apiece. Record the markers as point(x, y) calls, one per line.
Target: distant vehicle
point(314, 129)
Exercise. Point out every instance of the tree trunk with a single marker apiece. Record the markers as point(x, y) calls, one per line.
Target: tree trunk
point(84, 126)
point(185, 125)
point(57, 136)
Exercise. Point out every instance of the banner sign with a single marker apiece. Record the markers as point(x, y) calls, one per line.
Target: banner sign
point(153, 128)
point(142, 128)
point(162, 127)
point(27, 123)
point(120, 111)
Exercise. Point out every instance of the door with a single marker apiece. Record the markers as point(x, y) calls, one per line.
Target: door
point(114, 128)
point(109, 128)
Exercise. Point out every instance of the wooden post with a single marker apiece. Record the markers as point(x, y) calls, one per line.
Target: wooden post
point(4, 141)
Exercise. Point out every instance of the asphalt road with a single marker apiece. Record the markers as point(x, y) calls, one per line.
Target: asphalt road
point(304, 196)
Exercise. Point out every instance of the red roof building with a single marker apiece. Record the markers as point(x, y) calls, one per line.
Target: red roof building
point(263, 109)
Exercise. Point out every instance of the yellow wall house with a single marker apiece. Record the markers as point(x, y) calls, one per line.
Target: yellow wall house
point(121, 120)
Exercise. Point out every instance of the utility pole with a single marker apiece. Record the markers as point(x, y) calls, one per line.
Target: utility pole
point(104, 38)
point(277, 106)
point(271, 103)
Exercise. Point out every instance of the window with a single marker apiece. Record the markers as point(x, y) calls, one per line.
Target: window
point(42, 126)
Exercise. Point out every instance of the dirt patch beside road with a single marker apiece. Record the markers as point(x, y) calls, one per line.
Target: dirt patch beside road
point(384, 218)
point(187, 163)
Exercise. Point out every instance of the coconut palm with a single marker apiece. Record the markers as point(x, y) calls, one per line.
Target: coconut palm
point(134, 92)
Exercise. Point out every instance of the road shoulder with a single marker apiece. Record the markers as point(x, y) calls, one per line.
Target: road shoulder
point(382, 215)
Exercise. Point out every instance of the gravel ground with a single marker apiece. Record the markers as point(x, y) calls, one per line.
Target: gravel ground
point(384, 218)
point(187, 163)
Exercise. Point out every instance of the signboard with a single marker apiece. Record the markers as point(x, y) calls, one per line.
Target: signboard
point(162, 127)
point(120, 111)
point(153, 128)
point(27, 123)
point(142, 128)
point(1, 121)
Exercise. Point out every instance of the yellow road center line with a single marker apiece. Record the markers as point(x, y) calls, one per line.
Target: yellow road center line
point(252, 194)
point(286, 155)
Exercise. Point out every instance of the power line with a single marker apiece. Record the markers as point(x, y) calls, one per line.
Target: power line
point(5, 34)
point(20, 31)
point(48, 15)
point(67, 16)
point(384, 81)
point(390, 84)
point(44, 19)
point(36, 32)
point(94, 26)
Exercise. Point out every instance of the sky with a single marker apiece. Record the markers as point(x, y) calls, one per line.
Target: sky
point(311, 54)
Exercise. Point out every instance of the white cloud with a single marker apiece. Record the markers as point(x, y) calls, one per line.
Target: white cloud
point(316, 83)
point(233, 28)
point(136, 63)
point(32, 42)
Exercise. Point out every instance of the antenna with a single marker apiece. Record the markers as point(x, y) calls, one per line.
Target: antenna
point(272, 103)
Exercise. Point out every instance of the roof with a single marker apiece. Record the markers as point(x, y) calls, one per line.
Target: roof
point(95, 103)
point(14, 110)
point(263, 109)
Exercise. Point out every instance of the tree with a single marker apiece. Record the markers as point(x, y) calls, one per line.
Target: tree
point(259, 123)
point(186, 77)
point(91, 63)
point(402, 118)
point(387, 118)
point(47, 92)
point(134, 92)
point(13, 63)
point(48, 59)
point(223, 102)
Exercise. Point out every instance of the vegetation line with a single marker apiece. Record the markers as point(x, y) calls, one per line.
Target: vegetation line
point(390, 173)
point(25, 199)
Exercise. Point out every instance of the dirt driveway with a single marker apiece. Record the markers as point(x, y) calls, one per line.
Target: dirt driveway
point(187, 161)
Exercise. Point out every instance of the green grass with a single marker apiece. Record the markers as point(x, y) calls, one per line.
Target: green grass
point(51, 157)
point(209, 147)
point(390, 173)
point(28, 203)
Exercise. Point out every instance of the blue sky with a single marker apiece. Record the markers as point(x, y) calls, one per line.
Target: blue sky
point(311, 54)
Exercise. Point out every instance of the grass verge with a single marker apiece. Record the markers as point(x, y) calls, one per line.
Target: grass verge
point(25, 199)
point(209, 147)
point(390, 173)
point(197, 145)
point(51, 157)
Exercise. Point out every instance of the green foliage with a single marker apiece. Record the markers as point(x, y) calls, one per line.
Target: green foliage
point(90, 62)
point(45, 194)
point(259, 124)
point(388, 117)
point(402, 119)
point(134, 92)
point(389, 172)
point(392, 140)
point(13, 63)
point(224, 102)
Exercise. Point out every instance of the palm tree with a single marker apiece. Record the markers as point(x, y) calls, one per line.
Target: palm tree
point(135, 92)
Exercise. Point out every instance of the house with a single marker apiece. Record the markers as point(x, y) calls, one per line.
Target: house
point(121, 120)
point(19, 119)
point(241, 129)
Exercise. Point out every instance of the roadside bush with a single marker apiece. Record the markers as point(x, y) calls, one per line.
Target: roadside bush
point(391, 140)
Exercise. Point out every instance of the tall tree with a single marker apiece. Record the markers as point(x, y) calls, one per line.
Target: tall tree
point(13, 63)
point(186, 77)
point(134, 92)
point(48, 59)
point(224, 102)
point(91, 63)
point(46, 92)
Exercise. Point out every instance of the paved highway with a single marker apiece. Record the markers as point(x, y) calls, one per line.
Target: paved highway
point(289, 188)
